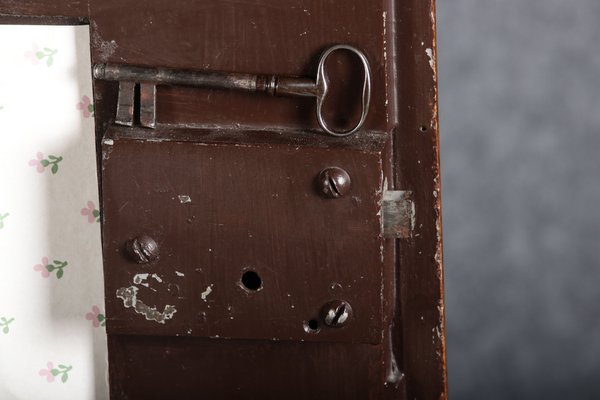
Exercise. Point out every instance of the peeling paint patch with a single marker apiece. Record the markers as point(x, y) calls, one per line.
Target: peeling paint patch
point(183, 198)
point(208, 291)
point(139, 279)
point(157, 278)
point(105, 48)
point(429, 53)
point(108, 142)
point(384, 15)
point(130, 300)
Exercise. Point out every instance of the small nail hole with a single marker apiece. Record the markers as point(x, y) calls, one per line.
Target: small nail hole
point(311, 326)
point(251, 280)
point(423, 128)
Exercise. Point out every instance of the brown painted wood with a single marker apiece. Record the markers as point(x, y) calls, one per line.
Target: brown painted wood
point(218, 210)
point(416, 154)
point(185, 368)
point(266, 36)
point(239, 37)
point(45, 11)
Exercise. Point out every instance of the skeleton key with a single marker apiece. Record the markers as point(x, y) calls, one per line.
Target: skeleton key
point(128, 76)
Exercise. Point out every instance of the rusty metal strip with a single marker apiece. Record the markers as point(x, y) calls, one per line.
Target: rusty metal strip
point(148, 105)
point(398, 214)
point(125, 103)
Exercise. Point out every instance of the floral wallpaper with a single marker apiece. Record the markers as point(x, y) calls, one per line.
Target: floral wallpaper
point(52, 322)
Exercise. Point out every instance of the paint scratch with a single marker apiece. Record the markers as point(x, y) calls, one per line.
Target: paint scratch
point(130, 300)
point(429, 53)
point(208, 291)
point(139, 279)
point(183, 198)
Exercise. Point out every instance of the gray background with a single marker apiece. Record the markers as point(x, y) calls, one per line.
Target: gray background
point(520, 114)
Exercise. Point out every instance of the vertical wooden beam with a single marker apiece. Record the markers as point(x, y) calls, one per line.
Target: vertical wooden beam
point(418, 165)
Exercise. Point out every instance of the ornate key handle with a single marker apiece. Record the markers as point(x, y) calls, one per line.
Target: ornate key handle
point(128, 75)
point(322, 88)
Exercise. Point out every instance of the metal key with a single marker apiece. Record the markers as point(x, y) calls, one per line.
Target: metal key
point(275, 85)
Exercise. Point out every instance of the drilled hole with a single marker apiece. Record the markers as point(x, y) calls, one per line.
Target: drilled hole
point(311, 326)
point(423, 128)
point(251, 280)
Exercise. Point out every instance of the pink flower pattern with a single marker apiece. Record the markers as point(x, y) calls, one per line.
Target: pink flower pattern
point(96, 317)
point(37, 162)
point(86, 107)
point(32, 54)
point(45, 163)
point(92, 214)
point(36, 55)
point(43, 267)
point(48, 372)
point(41, 163)
point(46, 268)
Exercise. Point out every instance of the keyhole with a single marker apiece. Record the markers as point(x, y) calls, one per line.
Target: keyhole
point(312, 326)
point(251, 281)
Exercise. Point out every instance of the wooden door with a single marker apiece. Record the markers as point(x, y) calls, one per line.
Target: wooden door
point(223, 252)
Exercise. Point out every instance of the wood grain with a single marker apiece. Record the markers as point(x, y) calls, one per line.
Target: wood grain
point(62, 12)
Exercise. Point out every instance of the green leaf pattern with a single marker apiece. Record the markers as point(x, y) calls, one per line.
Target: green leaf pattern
point(53, 163)
point(48, 54)
point(57, 266)
point(5, 324)
point(41, 163)
point(2, 218)
point(63, 371)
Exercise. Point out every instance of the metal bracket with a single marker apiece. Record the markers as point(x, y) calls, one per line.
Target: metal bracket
point(127, 107)
point(397, 214)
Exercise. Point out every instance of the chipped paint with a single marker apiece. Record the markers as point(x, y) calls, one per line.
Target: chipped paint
point(184, 198)
point(139, 279)
point(104, 48)
point(130, 300)
point(108, 142)
point(384, 18)
point(430, 55)
point(207, 292)
point(107, 49)
point(439, 339)
point(157, 278)
point(179, 273)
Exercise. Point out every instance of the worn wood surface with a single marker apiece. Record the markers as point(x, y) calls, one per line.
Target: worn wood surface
point(267, 37)
point(217, 210)
point(46, 12)
point(416, 152)
point(259, 37)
